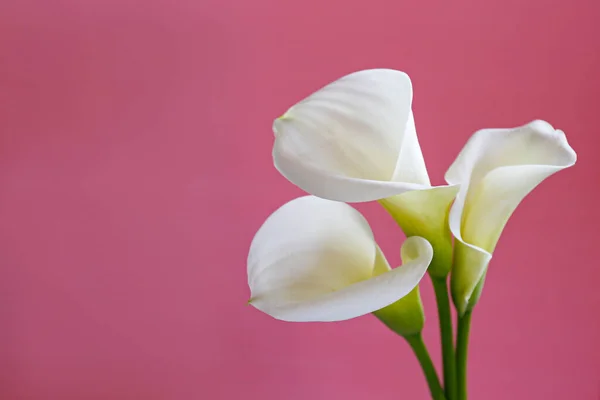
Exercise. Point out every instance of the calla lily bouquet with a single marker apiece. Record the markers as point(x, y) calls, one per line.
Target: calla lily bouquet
point(354, 140)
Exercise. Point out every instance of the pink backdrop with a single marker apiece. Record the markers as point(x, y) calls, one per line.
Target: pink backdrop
point(135, 168)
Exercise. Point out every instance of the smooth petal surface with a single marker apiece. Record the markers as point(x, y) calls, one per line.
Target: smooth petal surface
point(410, 167)
point(496, 169)
point(314, 260)
point(353, 140)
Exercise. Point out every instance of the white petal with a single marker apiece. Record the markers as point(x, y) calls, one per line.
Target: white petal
point(313, 260)
point(410, 167)
point(305, 233)
point(496, 169)
point(354, 140)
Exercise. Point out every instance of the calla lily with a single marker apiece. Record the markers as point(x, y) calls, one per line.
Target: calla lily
point(316, 260)
point(496, 169)
point(355, 140)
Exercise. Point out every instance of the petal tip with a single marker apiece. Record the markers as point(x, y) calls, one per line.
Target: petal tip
point(277, 123)
point(415, 247)
point(541, 126)
point(545, 128)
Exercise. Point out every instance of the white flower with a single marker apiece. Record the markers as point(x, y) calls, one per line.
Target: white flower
point(354, 140)
point(496, 169)
point(316, 260)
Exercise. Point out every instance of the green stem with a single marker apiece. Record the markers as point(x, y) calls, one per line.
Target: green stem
point(418, 346)
point(462, 344)
point(443, 303)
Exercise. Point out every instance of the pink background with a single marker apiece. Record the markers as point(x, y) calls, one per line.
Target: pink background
point(135, 168)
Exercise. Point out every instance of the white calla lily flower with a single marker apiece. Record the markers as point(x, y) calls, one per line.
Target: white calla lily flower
point(316, 260)
point(355, 140)
point(496, 169)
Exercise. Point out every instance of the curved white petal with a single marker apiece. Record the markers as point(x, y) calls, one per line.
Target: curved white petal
point(353, 140)
point(410, 167)
point(496, 169)
point(314, 259)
